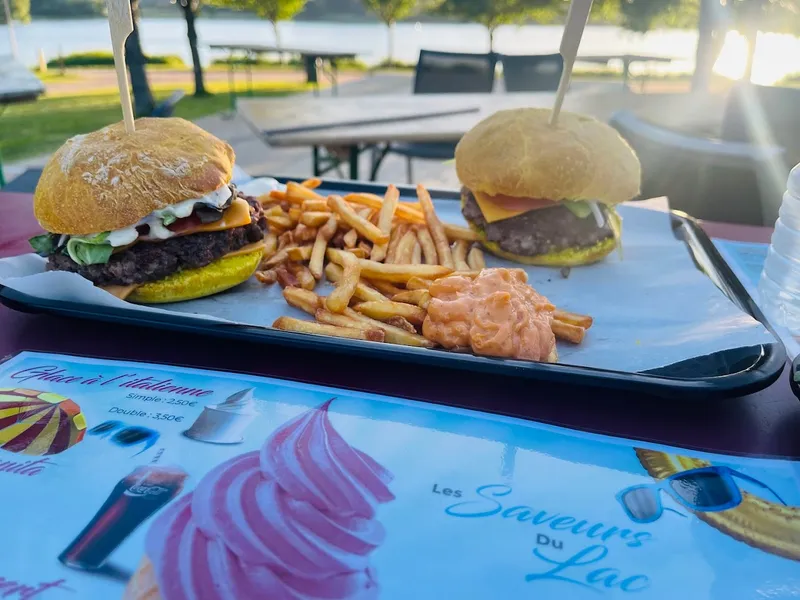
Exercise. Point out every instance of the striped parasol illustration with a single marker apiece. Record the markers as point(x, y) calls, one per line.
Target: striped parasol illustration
point(38, 423)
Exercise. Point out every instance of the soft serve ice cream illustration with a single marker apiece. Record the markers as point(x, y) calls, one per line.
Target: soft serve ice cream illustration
point(224, 423)
point(294, 520)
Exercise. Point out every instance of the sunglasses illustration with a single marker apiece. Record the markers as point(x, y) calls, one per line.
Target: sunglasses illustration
point(124, 435)
point(707, 489)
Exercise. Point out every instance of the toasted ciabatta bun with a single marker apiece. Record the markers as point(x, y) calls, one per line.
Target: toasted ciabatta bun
point(517, 153)
point(109, 179)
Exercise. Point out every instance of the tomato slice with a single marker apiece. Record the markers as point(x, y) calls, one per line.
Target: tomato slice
point(181, 225)
point(514, 203)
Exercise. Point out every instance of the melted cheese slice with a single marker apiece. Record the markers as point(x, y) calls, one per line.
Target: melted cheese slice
point(123, 291)
point(492, 211)
point(236, 215)
point(120, 291)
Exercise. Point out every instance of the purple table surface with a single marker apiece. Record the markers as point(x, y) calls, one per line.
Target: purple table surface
point(762, 424)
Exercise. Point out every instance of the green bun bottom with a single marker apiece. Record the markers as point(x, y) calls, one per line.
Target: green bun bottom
point(571, 257)
point(220, 275)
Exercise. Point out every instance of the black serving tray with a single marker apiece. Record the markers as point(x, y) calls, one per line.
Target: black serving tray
point(722, 374)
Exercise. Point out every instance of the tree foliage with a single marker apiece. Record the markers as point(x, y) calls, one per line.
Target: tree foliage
point(390, 11)
point(20, 11)
point(493, 13)
point(272, 10)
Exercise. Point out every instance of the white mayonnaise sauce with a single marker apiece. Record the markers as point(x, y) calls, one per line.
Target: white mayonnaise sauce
point(128, 235)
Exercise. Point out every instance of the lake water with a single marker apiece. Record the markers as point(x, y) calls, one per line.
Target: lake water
point(778, 55)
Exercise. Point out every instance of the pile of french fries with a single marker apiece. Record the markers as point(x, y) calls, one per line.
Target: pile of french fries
point(381, 254)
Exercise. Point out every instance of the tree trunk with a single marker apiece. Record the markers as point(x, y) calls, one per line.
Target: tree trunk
point(704, 56)
point(277, 33)
point(752, 43)
point(143, 102)
point(491, 29)
point(390, 43)
point(191, 32)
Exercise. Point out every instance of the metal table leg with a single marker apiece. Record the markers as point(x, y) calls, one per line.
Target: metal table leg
point(354, 152)
point(315, 159)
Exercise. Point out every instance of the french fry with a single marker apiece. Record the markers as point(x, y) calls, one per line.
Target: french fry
point(305, 300)
point(405, 248)
point(329, 318)
point(386, 310)
point(270, 245)
point(358, 252)
point(460, 255)
point(294, 214)
point(365, 246)
point(340, 297)
point(402, 323)
point(394, 335)
point(299, 253)
point(279, 222)
point(365, 292)
point(303, 233)
point(385, 218)
point(274, 211)
point(296, 193)
point(324, 234)
point(416, 297)
point(475, 259)
point(285, 277)
point(417, 283)
point(436, 228)
point(315, 206)
point(385, 287)
point(290, 324)
point(350, 239)
point(394, 273)
point(276, 195)
point(584, 321)
point(428, 247)
point(280, 256)
point(568, 332)
point(357, 222)
point(285, 239)
point(470, 274)
point(416, 254)
point(456, 232)
point(312, 183)
point(267, 277)
point(314, 218)
point(403, 211)
point(397, 234)
point(365, 213)
point(304, 277)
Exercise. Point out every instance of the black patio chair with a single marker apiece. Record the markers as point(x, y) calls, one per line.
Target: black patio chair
point(533, 73)
point(440, 73)
point(707, 178)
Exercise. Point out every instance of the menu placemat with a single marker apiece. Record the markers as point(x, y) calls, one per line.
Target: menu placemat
point(144, 481)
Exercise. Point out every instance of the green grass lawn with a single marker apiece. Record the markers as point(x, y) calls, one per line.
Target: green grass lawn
point(42, 126)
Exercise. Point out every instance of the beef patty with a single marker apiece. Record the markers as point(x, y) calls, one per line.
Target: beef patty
point(151, 261)
point(539, 231)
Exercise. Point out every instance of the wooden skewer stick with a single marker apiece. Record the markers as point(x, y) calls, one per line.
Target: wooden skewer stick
point(120, 21)
point(573, 32)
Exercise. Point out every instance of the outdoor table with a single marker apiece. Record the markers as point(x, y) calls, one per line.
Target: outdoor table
point(765, 424)
point(299, 121)
point(314, 60)
point(17, 84)
point(627, 61)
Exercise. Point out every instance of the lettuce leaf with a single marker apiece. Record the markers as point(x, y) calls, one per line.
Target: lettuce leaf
point(91, 250)
point(168, 219)
point(45, 244)
point(579, 208)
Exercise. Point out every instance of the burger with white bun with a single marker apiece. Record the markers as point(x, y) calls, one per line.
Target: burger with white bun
point(150, 216)
point(545, 195)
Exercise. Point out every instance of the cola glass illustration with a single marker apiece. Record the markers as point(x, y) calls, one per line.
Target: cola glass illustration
point(135, 498)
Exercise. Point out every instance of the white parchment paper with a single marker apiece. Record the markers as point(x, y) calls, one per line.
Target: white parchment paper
point(651, 309)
